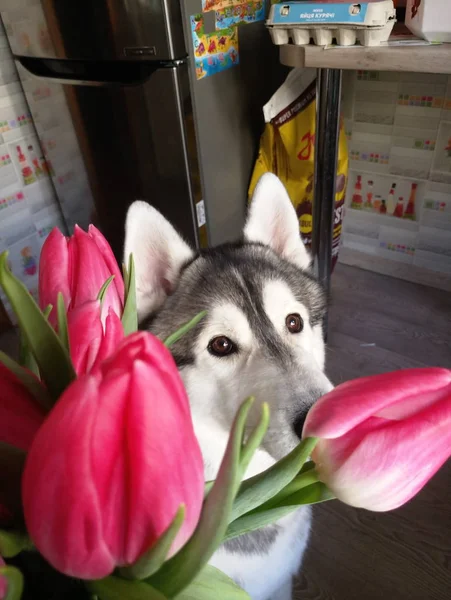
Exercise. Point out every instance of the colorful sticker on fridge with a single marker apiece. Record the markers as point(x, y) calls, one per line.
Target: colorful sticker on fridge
point(247, 12)
point(208, 5)
point(214, 52)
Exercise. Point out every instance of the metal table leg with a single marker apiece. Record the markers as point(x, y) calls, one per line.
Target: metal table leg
point(326, 154)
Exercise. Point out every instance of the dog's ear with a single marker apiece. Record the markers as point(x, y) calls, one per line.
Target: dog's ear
point(273, 221)
point(158, 253)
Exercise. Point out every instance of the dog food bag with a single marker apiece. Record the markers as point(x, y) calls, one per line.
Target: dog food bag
point(287, 149)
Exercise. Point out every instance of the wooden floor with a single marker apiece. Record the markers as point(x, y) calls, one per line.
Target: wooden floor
point(380, 324)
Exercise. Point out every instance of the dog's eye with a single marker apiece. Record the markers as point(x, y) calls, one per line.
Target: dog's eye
point(221, 346)
point(294, 323)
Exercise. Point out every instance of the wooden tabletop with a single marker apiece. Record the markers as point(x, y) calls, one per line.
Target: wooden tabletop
point(419, 59)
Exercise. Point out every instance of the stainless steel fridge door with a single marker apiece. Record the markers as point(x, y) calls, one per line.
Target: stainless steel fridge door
point(228, 110)
point(95, 29)
point(137, 143)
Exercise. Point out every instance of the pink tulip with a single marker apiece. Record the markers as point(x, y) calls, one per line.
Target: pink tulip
point(78, 267)
point(90, 340)
point(20, 415)
point(3, 582)
point(382, 438)
point(113, 462)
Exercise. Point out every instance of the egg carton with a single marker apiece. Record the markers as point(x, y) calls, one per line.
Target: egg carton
point(369, 23)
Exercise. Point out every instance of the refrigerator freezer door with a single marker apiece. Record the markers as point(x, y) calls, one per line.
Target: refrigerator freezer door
point(136, 144)
point(95, 29)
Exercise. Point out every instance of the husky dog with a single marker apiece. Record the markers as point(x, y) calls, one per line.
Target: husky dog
point(262, 337)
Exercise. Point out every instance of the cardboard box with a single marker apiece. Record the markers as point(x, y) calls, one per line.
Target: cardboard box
point(429, 19)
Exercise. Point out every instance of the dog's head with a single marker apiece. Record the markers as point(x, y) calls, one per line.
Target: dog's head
point(262, 335)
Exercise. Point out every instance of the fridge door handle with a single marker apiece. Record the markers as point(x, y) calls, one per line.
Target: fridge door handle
point(96, 73)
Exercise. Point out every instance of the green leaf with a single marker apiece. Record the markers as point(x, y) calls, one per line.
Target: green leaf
point(255, 439)
point(257, 519)
point(126, 279)
point(13, 543)
point(12, 463)
point(36, 389)
point(26, 358)
point(174, 337)
point(300, 482)
point(207, 487)
point(212, 584)
point(115, 588)
point(313, 494)
point(130, 314)
point(53, 359)
point(152, 560)
point(46, 312)
point(104, 288)
point(63, 331)
point(15, 582)
point(257, 490)
point(179, 571)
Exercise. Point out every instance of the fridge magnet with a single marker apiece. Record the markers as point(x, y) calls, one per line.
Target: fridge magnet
point(213, 52)
point(248, 12)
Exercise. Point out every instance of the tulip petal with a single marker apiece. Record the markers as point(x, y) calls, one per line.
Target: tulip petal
point(110, 261)
point(89, 272)
point(85, 336)
point(53, 271)
point(112, 337)
point(58, 477)
point(382, 464)
point(349, 404)
point(90, 342)
point(113, 459)
point(153, 558)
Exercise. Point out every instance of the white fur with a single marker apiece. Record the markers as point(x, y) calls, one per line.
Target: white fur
point(161, 253)
point(279, 302)
point(273, 221)
point(216, 387)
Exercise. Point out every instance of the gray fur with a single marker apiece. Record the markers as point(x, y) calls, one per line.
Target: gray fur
point(236, 272)
point(257, 542)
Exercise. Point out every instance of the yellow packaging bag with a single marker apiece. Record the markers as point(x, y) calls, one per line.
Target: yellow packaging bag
point(287, 149)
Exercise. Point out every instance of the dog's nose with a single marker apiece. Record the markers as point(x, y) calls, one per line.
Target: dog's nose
point(298, 424)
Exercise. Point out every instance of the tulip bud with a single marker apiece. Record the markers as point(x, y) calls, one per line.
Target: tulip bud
point(78, 267)
point(382, 438)
point(112, 464)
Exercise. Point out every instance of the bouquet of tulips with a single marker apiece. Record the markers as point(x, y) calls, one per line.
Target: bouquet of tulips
point(90, 486)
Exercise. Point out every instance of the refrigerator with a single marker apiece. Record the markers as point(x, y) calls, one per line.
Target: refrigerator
point(124, 110)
